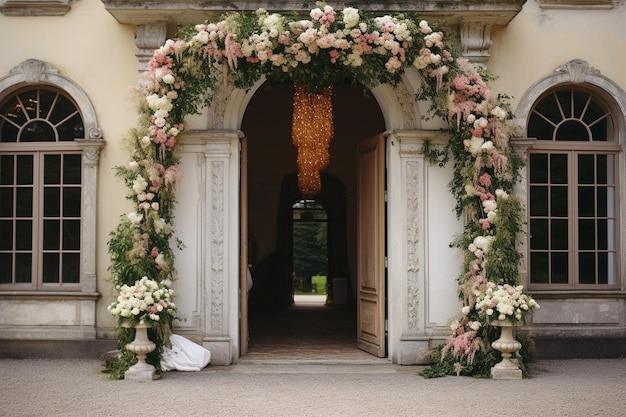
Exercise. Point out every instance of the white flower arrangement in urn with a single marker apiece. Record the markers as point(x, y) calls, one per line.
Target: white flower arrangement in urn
point(504, 302)
point(147, 301)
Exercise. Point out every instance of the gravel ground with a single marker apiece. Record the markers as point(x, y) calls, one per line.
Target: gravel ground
point(79, 388)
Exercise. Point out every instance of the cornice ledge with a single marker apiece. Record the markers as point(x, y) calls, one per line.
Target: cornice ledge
point(182, 12)
point(34, 7)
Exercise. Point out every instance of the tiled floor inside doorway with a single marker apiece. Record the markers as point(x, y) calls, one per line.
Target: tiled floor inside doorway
point(307, 331)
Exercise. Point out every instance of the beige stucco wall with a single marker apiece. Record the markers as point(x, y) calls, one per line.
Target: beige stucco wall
point(90, 47)
point(538, 40)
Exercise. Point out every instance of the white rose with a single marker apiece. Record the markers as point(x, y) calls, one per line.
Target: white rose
point(350, 17)
point(169, 79)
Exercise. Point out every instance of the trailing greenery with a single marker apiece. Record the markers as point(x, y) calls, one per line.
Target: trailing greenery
point(329, 48)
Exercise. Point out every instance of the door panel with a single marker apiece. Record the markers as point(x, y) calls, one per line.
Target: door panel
point(371, 245)
point(243, 250)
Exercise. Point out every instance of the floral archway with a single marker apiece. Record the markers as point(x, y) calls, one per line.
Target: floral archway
point(328, 48)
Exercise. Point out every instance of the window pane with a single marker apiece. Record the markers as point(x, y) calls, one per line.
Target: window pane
point(539, 267)
point(51, 234)
point(50, 268)
point(538, 201)
point(6, 169)
point(602, 169)
point(46, 98)
point(29, 100)
point(601, 207)
point(603, 268)
point(71, 128)
point(559, 268)
point(6, 268)
point(8, 132)
point(52, 202)
point(586, 234)
point(559, 202)
point(38, 131)
point(586, 169)
point(71, 268)
point(52, 169)
point(572, 130)
point(71, 234)
point(62, 109)
point(24, 170)
point(6, 234)
point(24, 206)
point(549, 108)
point(586, 202)
point(71, 169)
point(603, 234)
point(6, 202)
point(559, 234)
point(586, 268)
point(539, 128)
point(538, 168)
point(71, 202)
point(558, 169)
point(23, 268)
point(12, 110)
point(539, 234)
point(24, 235)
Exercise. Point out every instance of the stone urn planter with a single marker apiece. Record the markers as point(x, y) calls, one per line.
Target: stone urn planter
point(507, 344)
point(141, 346)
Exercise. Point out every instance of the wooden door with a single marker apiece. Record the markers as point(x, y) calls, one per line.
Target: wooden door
point(243, 250)
point(371, 246)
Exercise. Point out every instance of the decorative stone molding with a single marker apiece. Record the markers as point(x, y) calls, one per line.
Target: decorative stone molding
point(576, 4)
point(475, 37)
point(413, 259)
point(34, 7)
point(91, 157)
point(217, 109)
point(217, 245)
point(577, 69)
point(34, 71)
point(407, 104)
point(183, 12)
point(149, 37)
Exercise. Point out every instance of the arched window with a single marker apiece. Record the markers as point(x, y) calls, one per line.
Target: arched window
point(573, 191)
point(40, 190)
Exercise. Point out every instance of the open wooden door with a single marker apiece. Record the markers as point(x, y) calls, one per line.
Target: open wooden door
point(243, 250)
point(371, 245)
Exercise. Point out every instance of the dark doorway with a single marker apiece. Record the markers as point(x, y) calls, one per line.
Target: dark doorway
point(277, 324)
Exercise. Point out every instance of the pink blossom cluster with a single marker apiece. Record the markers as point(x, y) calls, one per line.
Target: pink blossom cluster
point(464, 341)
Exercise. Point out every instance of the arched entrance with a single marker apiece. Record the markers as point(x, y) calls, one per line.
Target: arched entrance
point(272, 191)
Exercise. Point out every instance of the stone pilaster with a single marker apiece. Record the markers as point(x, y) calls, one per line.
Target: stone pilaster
point(149, 37)
point(475, 37)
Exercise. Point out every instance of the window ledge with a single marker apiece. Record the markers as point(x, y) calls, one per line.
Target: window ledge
point(576, 4)
point(34, 7)
point(49, 295)
point(569, 294)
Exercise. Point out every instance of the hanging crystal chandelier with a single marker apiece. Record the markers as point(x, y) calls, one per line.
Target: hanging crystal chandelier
point(311, 133)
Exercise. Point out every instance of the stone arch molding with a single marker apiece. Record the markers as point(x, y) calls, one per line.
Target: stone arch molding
point(576, 71)
point(34, 71)
point(398, 105)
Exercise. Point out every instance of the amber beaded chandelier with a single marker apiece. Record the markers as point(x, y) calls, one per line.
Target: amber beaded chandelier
point(311, 133)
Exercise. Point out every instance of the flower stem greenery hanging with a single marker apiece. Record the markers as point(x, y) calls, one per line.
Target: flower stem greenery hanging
point(330, 47)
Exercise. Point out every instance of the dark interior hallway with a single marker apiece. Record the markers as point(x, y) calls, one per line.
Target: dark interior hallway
point(306, 331)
